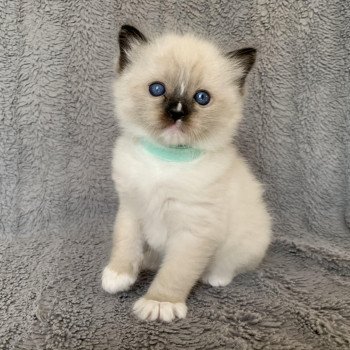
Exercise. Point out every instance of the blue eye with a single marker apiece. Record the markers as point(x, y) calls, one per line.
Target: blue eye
point(157, 89)
point(202, 97)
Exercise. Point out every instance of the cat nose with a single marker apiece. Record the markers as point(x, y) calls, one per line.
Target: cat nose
point(176, 112)
point(175, 115)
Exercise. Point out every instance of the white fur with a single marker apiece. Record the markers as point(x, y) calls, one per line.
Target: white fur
point(214, 196)
point(216, 280)
point(182, 88)
point(154, 310)
point(216, 189)
point(113, 282)
point(200, 219)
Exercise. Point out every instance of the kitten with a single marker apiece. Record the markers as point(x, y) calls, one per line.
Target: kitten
point(190, 208)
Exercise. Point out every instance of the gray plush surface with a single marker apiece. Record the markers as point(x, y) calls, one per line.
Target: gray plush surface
point(57, 202)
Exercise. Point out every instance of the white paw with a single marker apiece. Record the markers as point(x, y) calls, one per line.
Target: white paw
point(217, 281)
point(159, 310)
point(112, 282)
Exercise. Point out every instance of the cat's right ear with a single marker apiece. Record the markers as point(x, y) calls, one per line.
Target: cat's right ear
point(245, 59)
point(129, 39)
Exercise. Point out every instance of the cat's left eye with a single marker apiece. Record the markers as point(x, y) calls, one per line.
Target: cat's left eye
point(202, 97)
point(157, 89)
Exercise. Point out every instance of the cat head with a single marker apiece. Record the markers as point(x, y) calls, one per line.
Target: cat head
point(179, 89)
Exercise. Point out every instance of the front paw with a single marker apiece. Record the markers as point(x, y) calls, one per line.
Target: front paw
point(153, 310)
point(113, 282)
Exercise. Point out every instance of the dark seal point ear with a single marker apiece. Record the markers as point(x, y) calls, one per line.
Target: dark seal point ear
point(129, 37)
point(245, 58)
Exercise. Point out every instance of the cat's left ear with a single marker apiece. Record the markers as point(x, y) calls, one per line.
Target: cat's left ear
point(129, 39)
point(245, 59)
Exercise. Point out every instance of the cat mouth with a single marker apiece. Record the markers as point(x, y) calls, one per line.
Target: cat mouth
point(174, 134)
point(176, 127)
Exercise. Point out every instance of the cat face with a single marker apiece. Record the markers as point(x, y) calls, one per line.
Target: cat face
point(179, 89)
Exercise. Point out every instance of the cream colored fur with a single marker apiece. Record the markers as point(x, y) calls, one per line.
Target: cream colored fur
point(203, 219)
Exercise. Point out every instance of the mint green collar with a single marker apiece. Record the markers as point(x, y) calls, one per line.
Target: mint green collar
point(175, 154)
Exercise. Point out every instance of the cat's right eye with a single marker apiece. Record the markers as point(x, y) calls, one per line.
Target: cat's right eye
point(157, 89)
point(202, 97)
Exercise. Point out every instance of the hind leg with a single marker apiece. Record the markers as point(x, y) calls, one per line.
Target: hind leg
point(220, 271)
point(233, 258)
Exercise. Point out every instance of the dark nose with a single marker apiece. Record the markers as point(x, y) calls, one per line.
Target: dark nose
point(176, 111)
point(176, 115)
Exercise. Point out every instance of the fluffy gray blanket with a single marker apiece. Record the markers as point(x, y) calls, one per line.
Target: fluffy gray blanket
point(57, 202)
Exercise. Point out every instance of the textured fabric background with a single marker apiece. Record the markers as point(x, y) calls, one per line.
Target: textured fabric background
point(57, 202)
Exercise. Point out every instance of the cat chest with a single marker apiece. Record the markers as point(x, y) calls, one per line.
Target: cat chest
point(163, 194)
point(158, 206)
